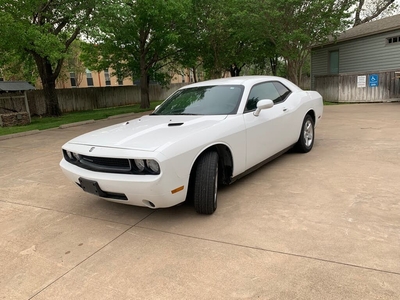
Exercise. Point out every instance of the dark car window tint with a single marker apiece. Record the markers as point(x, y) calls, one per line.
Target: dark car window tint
point(203, 100)
point(283, 91)
point(259, 92)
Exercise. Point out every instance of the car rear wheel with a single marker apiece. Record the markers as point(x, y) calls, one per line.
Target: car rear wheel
point(306, 139)
point(206, 184)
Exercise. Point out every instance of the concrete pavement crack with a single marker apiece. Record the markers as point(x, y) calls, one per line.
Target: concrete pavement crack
point(276, 252)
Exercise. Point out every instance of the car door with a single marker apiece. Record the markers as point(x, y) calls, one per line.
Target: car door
point(265, 134)
point(289, 102)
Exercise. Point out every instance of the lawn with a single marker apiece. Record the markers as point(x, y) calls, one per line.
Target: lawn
point(42, 123)
point(331, 103)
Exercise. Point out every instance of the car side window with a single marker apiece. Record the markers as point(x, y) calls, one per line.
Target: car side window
point(283, 91)
point(265, 90)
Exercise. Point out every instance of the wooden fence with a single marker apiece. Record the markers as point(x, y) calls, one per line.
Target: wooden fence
point(77, 99)
point(352, 87)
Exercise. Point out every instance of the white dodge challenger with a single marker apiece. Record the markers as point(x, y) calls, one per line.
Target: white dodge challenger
point(203, 135)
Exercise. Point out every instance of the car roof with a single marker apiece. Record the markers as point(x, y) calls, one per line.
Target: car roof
point(243, 80)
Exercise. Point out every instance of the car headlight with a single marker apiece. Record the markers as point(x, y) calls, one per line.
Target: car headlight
point(153, 166)
point(69, 154)
point(139, 164)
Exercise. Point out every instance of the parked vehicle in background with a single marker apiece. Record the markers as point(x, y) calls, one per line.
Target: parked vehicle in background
point(205, 134)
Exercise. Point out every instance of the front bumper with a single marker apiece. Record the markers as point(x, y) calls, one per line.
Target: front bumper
point(153, 191)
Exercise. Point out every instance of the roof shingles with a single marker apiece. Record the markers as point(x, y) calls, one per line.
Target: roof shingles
point(375, 27)
point(14, 86)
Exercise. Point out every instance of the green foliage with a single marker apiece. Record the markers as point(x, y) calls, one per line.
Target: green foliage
point(16, 66)
point(44, 30)
point(294, 26)
point(136, 38)
point(148, 39)
point(42, 27)
point(217, 35)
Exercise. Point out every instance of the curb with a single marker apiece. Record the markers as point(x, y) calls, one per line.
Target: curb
point(14, 135)
point(75, 124)
point(121, 116)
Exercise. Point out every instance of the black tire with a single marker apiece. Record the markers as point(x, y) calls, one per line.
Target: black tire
point(306, 138)
point(206, 183)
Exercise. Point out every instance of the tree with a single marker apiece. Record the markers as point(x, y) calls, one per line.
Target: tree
point(17, 66)
point(73, 63)
point(217, 36)
point(44, 30)
point(136, 38)
point(294, 26)
point(367, 11)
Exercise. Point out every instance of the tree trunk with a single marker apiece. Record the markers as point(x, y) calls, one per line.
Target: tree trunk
point(144, 68)
point(144, 86)
point(194, 74)
point(292, 71)
point(50, 94)
point(274, 64)
point(48, 79)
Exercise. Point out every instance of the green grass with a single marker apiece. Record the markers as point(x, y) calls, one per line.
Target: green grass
point(42, 123)
point(331, 103)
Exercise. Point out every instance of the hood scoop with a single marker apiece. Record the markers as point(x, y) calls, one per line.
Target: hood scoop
point(175, 124)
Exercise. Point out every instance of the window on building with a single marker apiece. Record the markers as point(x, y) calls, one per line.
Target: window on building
point(394, 39)
point(72, 79)
point(334, 62)
point(120, 81)
point(89, 77)
point(183, 78)
point(107, 77)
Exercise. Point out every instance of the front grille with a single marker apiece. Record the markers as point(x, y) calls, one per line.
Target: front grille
point(106, 164)
point(102, 164)
point(117, 164)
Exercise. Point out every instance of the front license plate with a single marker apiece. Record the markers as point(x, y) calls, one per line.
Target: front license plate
point(90, 186)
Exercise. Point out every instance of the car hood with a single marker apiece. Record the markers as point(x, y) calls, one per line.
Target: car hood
point(147, 133)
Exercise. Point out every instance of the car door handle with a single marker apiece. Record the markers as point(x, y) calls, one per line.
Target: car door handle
point(285, 109)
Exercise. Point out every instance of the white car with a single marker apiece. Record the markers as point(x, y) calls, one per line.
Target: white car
point(203, 135)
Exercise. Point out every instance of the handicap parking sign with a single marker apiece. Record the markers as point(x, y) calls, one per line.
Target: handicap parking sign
point(373, 80)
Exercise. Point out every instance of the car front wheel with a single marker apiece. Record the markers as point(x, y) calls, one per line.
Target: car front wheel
point(206, 184)
point(306, 139)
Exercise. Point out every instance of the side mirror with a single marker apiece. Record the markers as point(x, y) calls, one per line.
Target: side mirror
point(263, 104)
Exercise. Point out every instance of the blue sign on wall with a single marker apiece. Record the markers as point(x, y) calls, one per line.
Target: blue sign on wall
point(373, 80)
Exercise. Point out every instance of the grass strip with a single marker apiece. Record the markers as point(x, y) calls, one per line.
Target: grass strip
point(42, 123)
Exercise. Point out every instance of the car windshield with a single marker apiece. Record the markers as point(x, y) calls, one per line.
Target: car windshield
point(203, 100)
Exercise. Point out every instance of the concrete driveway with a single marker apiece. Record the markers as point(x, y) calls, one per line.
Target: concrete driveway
point(322, 225)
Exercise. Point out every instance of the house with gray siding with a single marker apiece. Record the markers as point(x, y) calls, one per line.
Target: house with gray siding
point(361, 65)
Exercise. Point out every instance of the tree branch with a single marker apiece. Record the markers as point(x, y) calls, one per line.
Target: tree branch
point(61, 25)
point(41, 9)
point(58, 68)
point(72, 38)
point(379, 9)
